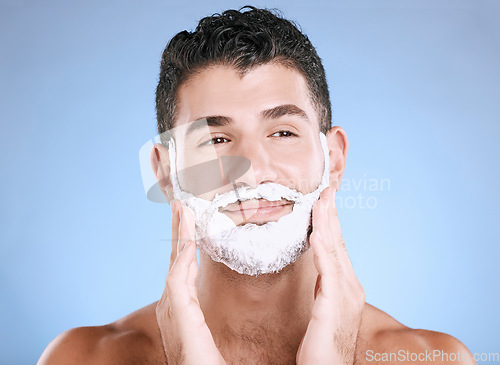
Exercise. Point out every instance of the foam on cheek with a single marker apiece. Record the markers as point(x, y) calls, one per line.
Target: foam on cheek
point(202, 208)
point(252, 249)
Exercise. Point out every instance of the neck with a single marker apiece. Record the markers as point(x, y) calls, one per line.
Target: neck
point(243, 310)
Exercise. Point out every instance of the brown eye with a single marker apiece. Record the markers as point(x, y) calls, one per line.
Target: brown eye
point(284, 134)
point(214, 141)
point(218, 140)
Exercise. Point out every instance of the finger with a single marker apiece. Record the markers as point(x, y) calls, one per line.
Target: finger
point(327, 266)
point(326, 222)
point(186, 227)
point(174, 206)
point(173, 282)
point(182, 295)
point(317, 287)
point(333, 218)
point(320, 220)
point(193, 274)
point(325, 256)
point(177, 280)
point(334, 233)
point(337, 239)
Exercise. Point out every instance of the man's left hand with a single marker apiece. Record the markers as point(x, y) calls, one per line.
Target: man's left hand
point(339, 297)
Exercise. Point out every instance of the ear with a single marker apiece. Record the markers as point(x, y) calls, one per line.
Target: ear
point(160, 163)
point(337, 145)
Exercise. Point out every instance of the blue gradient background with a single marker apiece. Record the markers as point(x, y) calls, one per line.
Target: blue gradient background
point(415, 84)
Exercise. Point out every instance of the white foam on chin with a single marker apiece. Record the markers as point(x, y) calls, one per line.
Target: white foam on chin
point(252, 249)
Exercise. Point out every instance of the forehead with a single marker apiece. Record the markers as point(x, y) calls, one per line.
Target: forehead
point(224, 90)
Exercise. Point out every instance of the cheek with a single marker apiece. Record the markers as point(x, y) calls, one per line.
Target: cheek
point(198, 173)
point(303, 169)
point(205, 174)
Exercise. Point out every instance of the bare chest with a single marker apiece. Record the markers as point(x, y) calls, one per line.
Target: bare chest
point(264, 356)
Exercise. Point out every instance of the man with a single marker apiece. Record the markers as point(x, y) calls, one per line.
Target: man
point(258, 85)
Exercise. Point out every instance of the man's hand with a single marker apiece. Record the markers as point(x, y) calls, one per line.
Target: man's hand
point(186, 337)
point(339, 297)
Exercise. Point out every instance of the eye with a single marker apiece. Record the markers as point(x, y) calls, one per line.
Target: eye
point(283, 133)
point(215, 140)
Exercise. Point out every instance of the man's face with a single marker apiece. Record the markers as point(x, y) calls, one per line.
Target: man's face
point(265, 116)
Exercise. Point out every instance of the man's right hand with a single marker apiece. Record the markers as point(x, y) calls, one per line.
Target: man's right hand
point(186, 337)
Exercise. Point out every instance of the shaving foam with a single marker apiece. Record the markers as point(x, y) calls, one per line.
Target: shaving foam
point(252, 249)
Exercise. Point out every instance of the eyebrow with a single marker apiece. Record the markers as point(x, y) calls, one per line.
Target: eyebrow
point(272, 113)
point(283, 110)
point(211, 121)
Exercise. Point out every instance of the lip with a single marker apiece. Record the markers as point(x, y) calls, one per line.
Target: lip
point(253, 204)
point(257, 210)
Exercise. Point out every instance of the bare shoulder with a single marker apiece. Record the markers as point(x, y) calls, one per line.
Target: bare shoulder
point(385, 340)
point(132, 339)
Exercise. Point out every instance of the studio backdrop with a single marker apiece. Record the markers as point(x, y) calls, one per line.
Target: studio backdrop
point(415, 84)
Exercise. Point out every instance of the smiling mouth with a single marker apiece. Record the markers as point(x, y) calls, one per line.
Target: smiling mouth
point(257, 211)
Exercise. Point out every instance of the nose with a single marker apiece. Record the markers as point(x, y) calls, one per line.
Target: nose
point(261, 167)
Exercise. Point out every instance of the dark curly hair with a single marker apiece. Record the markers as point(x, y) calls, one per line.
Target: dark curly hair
point(243, 39)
